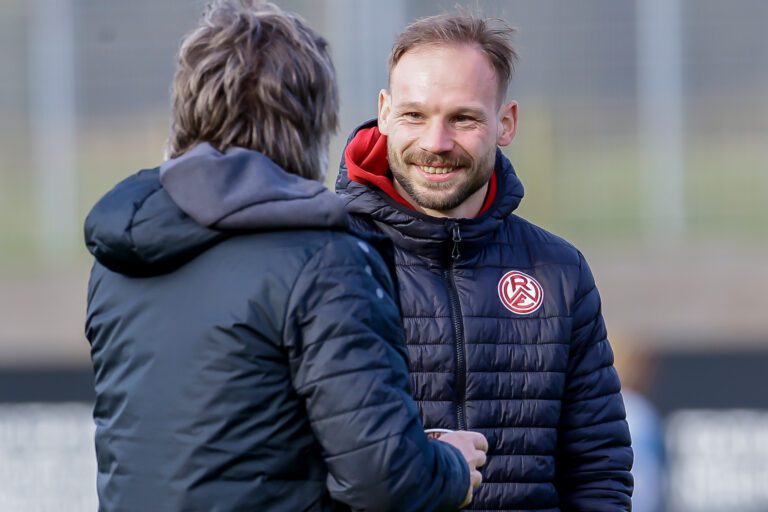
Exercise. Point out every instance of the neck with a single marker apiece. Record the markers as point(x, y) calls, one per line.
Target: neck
point(468, 209)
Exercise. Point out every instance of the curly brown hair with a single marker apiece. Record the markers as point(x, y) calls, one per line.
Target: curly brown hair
point(254, 76)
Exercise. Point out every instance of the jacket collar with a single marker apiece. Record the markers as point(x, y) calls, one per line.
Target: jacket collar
point(416, 232)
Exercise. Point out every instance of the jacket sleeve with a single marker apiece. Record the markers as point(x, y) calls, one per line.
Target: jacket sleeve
point(594, 453)
point(347, 353)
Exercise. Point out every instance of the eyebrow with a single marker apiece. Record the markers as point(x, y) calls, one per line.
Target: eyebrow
point(410, 105)
point(474, 112)
point(416, 105)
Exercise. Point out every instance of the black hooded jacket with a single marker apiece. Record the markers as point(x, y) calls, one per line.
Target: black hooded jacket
point(247, 350)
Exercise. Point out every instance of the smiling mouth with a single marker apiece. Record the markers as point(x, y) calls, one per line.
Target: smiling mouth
point(436, 170)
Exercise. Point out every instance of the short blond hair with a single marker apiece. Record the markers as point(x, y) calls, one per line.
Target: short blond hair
point(254, 76)
point(491, 35)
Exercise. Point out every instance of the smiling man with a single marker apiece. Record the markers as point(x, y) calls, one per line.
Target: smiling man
point(502, 318)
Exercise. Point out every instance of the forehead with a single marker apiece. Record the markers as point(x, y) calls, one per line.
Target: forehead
point(444, 73)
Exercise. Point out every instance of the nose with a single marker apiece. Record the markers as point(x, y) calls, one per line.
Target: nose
point(437, 138)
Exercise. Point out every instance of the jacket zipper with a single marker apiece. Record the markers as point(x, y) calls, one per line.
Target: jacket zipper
point(458, 329)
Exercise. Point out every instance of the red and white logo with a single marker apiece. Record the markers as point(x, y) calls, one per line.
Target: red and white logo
point(520, 293)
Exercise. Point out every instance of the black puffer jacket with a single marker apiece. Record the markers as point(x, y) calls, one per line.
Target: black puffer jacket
point(248, 354)
point(505, 336)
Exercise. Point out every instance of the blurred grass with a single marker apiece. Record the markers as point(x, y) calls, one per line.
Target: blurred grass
point(727, 185)
point(17, 218)
point(600, 193)
point(591, 191)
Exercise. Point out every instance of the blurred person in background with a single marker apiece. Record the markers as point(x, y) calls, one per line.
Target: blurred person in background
point(636, 367)
point(502, 319)
point(247, 349)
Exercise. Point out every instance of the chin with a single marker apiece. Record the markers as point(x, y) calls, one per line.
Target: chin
point(438, 203)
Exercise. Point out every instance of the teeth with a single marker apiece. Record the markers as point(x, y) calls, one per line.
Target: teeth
point(436, 170)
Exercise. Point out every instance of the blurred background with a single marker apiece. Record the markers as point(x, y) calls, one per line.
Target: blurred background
point(643, 139)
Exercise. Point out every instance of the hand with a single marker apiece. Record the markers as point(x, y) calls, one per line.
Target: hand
point(473, 446)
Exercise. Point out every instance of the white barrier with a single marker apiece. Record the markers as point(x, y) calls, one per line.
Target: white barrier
point(47, 459)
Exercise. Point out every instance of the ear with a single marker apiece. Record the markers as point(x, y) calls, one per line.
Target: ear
point(385, 108)
point(507, 123)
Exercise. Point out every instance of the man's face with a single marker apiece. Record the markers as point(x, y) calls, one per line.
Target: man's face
point(443, 122)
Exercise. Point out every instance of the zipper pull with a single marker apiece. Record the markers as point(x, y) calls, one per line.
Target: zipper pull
point(456, 232)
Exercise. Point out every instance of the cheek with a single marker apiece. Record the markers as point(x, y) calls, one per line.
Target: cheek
point(479, 144)
point(401, 139)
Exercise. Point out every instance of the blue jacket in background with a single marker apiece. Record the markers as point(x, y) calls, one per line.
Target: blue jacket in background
point(537, 380)
point(247, 350)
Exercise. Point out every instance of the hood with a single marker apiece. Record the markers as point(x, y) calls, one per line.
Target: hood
point(365, 185)
point(158, 219)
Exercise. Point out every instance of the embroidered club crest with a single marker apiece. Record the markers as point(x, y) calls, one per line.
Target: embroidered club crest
point(520, 293)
